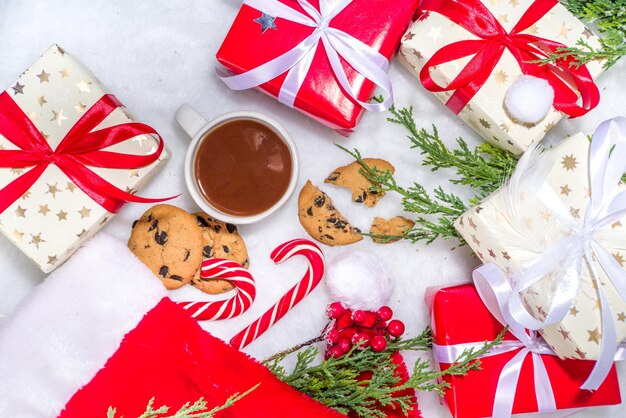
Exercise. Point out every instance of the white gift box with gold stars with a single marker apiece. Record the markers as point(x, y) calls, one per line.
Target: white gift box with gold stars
point(50, 221)
point(492, 230)
point(486, 113)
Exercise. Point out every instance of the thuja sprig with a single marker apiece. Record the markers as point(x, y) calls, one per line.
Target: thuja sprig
point(339, 383)
point(609, 16)
point(196, 410)
point(483, 169)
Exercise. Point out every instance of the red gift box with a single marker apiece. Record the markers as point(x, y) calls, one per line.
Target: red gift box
point(377, 23)
point(459, 316)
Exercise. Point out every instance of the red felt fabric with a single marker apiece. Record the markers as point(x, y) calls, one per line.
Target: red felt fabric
point(169, 357)
point(379, 23)
point(459, 316)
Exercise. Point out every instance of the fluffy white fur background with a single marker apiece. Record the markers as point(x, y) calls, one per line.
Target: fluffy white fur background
point(155, 55)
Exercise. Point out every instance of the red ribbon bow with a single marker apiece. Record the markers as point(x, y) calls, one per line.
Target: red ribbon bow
point(80, 148)
point(475, 17)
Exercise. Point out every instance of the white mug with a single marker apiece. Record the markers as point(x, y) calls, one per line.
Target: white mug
point(197, 127)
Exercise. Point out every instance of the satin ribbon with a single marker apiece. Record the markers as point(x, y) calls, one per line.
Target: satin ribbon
point(297, 61)
point(581, 244)
point(81, 147)
point(495, 290)
point(486, 52)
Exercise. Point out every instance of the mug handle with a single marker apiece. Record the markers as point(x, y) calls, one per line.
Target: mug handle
point(190, 120)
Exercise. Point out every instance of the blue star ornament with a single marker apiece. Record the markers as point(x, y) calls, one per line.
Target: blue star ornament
point(267, 22)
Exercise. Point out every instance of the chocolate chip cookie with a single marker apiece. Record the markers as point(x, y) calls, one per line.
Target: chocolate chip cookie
point(390, 230)
point(169, 241)
point(349, 176)
point(322, 220)
point(219, 240)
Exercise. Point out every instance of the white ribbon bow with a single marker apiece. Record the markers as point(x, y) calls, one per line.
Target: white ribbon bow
point(495, 291)
point(582, 243)
point(297, 61)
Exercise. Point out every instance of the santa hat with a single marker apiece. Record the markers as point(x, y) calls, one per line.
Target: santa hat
point(100, 332)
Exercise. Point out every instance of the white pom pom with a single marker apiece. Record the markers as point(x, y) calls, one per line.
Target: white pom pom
point(529, 99)
point(359, 280)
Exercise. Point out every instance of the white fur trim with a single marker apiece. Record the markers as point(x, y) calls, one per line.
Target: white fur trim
point(64, 333)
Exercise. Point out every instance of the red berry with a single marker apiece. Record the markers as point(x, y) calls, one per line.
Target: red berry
point(335, 352)
point(370, 320)
point(385, 313)
point(335, 309)
point(332, 336)
point(358, 316)
point(344, 345)
point(362, 339)
point(379, 343)
point(395, 328)
point(345, 320)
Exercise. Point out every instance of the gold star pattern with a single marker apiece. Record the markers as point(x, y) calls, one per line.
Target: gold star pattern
point(70, 186)
point(18, 88)
point(58, 117)
point(52, 259)
point(43, 77)
point(134, 173)
point(594, 335)
point(533, 30)
point(565, 190)
point(621, 317)
point(36, 240)
point(569, 162)
point(547, 128)
point(563, 31)
point(82, 233)
point(17, 171)
point(506, 255)
point(478, 209)
point(564, 334)
point(573, 311)
point(475, 239)
point(418, 55)
point(503, 18)
point(514, 3)
point(62, 215)
point(19, 236)
point(581, 354)
point(616, 224)
point(494, 2)
point(491, 254)
point(53, 190)
point(80, 108)
point(83, 86)
point(574, 212)
point(26, 195)
point(41, 100)
point(64, 73)
point(84, 212)
point(409, 36)
point(44, 209)
point(104, 220)
point(32, 116)
point(20, 212)
point(587, 33)
point(500, 76)
point(472, 224)
point(618, 257)
point(484, 123)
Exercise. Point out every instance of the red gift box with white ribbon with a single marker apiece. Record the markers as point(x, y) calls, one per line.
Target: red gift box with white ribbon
point(512, 373)
point(321, 57)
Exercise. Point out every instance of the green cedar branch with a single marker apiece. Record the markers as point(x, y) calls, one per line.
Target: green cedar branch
point(196, 410)
point(609, 16)
point(339, 383)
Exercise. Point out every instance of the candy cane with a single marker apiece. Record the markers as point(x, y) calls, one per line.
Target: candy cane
point(309, 281)
point(217, 268)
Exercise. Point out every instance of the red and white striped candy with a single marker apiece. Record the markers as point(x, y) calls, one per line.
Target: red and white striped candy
point(217, 268)
point(309, 281)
